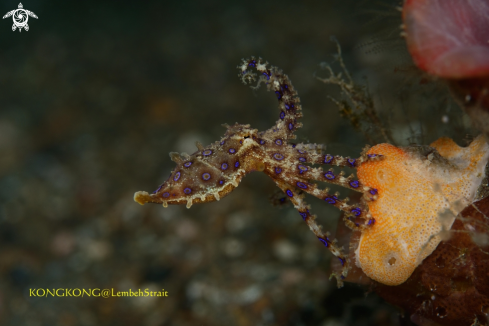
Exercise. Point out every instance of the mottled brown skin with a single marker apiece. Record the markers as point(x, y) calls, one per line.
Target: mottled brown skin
point(214, 171)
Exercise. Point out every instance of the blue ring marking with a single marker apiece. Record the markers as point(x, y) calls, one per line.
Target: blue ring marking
point(187, 191)
point(282, 200)
point(289, 193)
point(232, 150)
point(159, 188)
point(355, 184)
point(373, 191)
point(236, 164)
point(293, 145)
point(222, 143)
point(371, 221)
point(224, 166)
point(282, 115)
point(262, 142)
point(278, 142)
point(278, 170)
point(351, 161)
point(268, 76)
point(302, 168)
point(291, 126)
point(287, 106)
point(206, 176)
point(356, 211)
point(372, 155)
point(301, 185)
point(304, 215)
point(187, 164)
point(329, 175)
point(279, 94)
point(331, 200)
point(302, 159)
point(325, 243)
point(301, 151)
point(166, 194)
point(252, 63)
point(342, 261)
point(221, 182)
point(177, 176)
point(328, 158)
point(278, 156)
point(207, 152)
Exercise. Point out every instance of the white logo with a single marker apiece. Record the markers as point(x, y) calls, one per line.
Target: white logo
point(20, 17)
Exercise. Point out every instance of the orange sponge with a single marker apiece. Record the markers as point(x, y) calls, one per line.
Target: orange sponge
point(421, 189)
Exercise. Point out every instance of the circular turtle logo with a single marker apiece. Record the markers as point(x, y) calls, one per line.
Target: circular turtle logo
point(20, 17)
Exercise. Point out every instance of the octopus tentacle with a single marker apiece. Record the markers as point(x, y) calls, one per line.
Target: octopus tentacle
point(289, 102)
point(359, 211)
point(341, 161)
point(331, 177)
point(325, 238)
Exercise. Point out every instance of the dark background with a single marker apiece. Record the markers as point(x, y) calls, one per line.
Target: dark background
point(96, 94)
